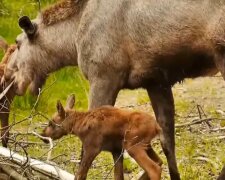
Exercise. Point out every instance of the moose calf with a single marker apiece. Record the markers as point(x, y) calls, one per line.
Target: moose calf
point(110, 129)
point(7, 99)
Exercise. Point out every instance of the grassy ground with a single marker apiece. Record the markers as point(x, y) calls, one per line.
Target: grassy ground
point(200, 151)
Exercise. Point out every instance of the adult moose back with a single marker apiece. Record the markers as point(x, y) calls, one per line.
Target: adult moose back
point(124, 44)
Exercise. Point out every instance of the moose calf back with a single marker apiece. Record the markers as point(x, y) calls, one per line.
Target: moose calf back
point(122, 125)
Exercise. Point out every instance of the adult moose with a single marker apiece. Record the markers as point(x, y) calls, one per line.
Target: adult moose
point(124, 44)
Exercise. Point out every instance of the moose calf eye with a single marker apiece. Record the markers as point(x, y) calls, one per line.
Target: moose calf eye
point(50, 123)
point(18, 44)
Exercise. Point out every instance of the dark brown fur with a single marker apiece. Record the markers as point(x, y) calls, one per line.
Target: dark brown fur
point(109, 129)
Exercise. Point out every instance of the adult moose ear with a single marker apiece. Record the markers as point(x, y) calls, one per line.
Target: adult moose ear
point(60, 110)
point(70, 102)
point(29, 27)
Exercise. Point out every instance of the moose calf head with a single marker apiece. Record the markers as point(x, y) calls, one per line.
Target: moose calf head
point(58, 126)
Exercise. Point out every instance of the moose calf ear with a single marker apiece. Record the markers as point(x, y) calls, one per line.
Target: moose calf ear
point(70, 102)
point(60, 109)
point(29, 27)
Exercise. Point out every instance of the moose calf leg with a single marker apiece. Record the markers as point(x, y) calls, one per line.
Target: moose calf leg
point(118, 165)
point(154, 156)
point(163, 106)
point(86, 161)
point(142, 158)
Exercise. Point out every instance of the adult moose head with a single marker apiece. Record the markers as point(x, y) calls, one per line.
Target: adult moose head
point(125, 44)
point(43, 44)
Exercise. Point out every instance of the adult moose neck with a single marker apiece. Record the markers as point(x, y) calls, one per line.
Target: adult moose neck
point(58, 28)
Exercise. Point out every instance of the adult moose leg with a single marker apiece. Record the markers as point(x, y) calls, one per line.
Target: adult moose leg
point(103, 92)
point(163, 106)
point(221, 67)
point(220, 64)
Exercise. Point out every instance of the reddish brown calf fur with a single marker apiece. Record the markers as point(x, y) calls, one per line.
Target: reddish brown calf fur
point(109, 129)
point(7, 99)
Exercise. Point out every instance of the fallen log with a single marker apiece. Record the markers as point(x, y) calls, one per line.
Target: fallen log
point(45, 168)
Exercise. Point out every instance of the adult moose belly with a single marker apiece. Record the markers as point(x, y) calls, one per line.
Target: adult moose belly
point(169, 68)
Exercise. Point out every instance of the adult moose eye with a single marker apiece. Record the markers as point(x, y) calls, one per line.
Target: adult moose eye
point(17, 44)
